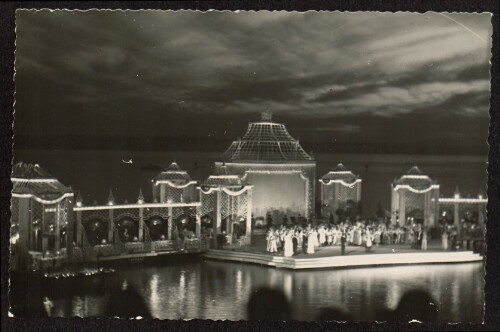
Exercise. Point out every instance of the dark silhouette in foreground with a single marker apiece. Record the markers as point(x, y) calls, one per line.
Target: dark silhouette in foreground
point(269, 304)
point(415, 305)
point(127, 303)
point(334, 315)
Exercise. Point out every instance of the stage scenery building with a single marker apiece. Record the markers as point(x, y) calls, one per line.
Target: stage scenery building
point(459, 210)
point(41, 208)
point(340, 194)
point(174, 185)
point(415, 199)
point(282, 173)
point(226, 200)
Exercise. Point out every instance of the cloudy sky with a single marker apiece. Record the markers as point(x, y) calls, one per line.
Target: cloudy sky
point(345, 82)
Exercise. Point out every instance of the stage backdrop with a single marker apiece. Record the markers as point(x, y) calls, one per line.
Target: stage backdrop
point(285, 193)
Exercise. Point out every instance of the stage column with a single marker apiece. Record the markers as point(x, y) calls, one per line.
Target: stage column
point(426, 209)
point(394, 205)
point(198, 221)
point(335, 199)
point(57, 243)
point(218, 214)
point(141, 224)
point(45, 240)
point(79, 228)
point(436, 210)
point(162, 193)
point(70, 229)
point(111, 237)
point(25, 236)
point(402, 207)
point(170, 222)
point(480, 215)
point(456, 215)
point(248, 234)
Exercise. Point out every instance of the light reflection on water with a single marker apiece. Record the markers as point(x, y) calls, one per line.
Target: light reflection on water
point(218, 290)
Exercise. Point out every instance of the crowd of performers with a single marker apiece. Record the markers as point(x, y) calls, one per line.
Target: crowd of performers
point(290, 239)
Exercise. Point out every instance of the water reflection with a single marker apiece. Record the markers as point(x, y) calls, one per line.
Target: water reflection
point(218, 290)
point(154, 298)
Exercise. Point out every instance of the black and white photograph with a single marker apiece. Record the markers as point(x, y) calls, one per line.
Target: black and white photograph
point(250, 165)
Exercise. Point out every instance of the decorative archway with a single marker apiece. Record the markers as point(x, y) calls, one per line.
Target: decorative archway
point(128, 229)
point(158, 227)
point(415, 216)
point(96, 230)
point(446, 216)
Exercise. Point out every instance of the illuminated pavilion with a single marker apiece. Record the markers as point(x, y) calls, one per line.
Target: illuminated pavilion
point(282, 173)
point(174, 184)
point(340, 189)
point(227, 200)
point(415, 199)
point(41, 207)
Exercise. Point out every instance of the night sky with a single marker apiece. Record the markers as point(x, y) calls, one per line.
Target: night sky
point(342, 82)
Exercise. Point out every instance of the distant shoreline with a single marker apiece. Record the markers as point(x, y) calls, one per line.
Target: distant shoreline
point(376, 157)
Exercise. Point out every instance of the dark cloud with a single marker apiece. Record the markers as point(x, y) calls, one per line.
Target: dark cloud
point(332, 77)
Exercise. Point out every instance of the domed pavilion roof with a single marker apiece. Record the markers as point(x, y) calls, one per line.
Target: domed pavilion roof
point(32, 180)
point(174, 174)
point(223, 179)
point(266, 141)
point(340, 173)
point(415, 179)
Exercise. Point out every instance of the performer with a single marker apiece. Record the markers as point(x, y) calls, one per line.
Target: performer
point(444, 240)
point(274, 243)
point(329, 235)
point(418, 243)
point(368, 236)
point(282, 238)
point(350, 239)
point(322, 236)
point(424, 239)
point(376, 236)
point(304, 239)
point(312, 238)
point(277, 238)
point(357, 236)
point(269, 238)
point(316, 237)
point(343, 240)
point(335, 235)
point(295, 240)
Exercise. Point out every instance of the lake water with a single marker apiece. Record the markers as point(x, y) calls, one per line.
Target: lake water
point(220, 290)
point(94, 173)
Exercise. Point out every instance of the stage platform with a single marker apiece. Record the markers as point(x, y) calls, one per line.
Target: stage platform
point(331, 258)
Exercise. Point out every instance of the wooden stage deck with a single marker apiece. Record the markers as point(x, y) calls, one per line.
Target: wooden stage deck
point(329, 257)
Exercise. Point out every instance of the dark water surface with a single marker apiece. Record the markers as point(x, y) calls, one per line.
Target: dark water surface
point(219, 290)
point(94, 173)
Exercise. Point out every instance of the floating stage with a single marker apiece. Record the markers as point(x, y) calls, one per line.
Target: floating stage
point(348, 261)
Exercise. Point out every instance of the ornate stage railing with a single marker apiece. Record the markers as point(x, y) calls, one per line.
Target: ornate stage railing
point(164, 245)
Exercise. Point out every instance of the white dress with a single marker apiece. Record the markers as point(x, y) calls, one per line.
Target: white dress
point(312, 238)
point(269, 238)
point(357, 237)
point(368, 239)
point(322, 237)
point(274, 247)
point(288, 245)
point(330, 236)
point(351, 236)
